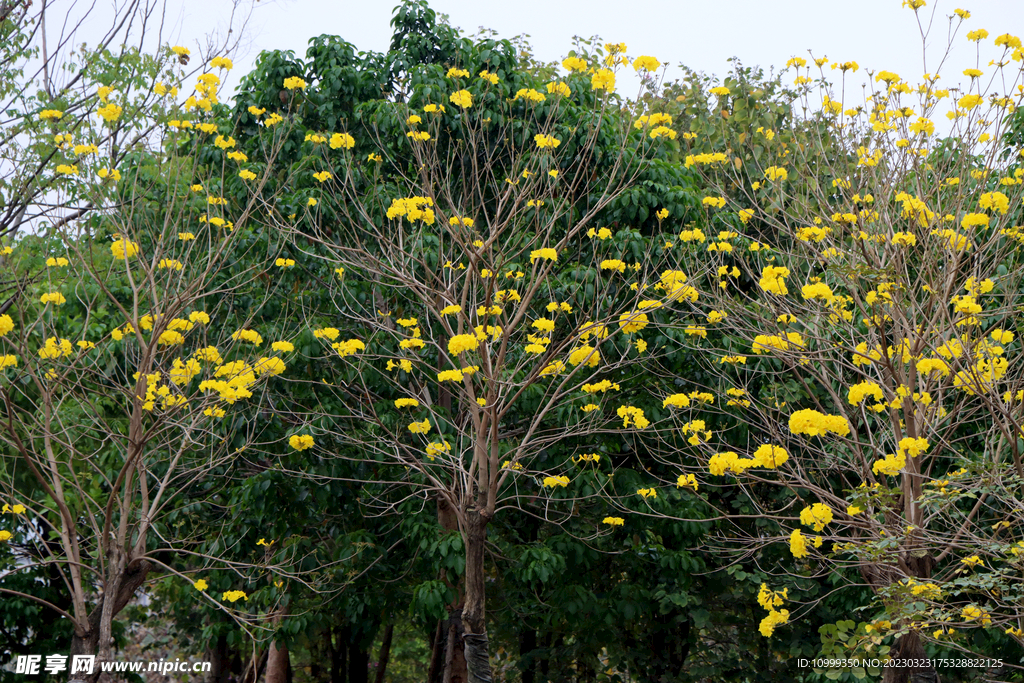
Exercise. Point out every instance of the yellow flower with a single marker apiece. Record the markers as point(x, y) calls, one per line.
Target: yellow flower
point(687, 481)
point(770, 456)
point(420, 427)
point(201, 585)
point(461, 343)
point(545, 141)
point(51, 114)
point(973, 561)
point(246, 174)
point(56, 348)
point(342, 141)
point(646, 63)
point(817, 516)
point(547, 253)
point(554, 482)
point(234, 596)
point(969, 101)
point(603, 79)
point(301, 442)
point(571, 64)
point(798, 544)
point(613, 521)
point(294, 82)
point(55, 298)
point(221, 63)
point(250, 336)
point(559, 88)
point(110, 112)
point(462, 98)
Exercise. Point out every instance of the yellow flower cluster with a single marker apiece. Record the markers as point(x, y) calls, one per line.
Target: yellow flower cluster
point(636, 415)
point(817, 515)
point(413, 208)
point(813, 423)
point(554, 482)
point(124, 249)
point(769, 600)
point(773, 280)
point(462, 343)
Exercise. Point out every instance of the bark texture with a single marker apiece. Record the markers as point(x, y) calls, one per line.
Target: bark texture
point(474, 617)
point(96, 638)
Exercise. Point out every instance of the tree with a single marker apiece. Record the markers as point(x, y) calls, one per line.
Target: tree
point(475, 304)
point(109, 423)
point(866, 356)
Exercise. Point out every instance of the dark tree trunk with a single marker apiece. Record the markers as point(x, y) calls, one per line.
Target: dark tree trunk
point(254, 668)
point(528, 655)
point(219, 657)
point(545, 663)
point(339, 649)
point(436, 654)
point(454, 659)
point(474, 617)
point(385, 652)
point(118, 592)
point(910, 646)
point(358, 664)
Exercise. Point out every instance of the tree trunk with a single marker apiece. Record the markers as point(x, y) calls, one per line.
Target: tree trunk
point(527, 655)
point(252, 671)
point(909, 646)
point(474, 618)
point(339, 662)
point(98, 639)
point(219, 658)
point(385, 652)
point(358, 663)
point(454, 670)
point(278, 661)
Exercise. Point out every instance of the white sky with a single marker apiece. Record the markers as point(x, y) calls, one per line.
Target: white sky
point(878, 34)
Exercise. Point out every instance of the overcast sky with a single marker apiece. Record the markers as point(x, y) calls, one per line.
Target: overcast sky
point(702, 34)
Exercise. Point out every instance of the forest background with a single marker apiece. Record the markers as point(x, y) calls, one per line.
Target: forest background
point(446, 363)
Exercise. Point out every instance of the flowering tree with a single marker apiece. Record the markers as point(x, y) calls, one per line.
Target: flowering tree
point(488, 319)
point(115, 376)
point(860, 328)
